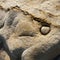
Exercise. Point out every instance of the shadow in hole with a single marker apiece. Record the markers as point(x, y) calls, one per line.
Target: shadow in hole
point(17, 53)
point(57, 57)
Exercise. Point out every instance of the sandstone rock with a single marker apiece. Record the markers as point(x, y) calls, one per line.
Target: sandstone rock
point(20, 24)
point(4, 56)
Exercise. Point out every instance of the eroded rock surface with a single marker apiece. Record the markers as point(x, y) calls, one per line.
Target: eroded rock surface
point(30, 29)
point(4, 55)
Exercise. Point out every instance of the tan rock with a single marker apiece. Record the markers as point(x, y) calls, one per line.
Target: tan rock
point(23, 20)
point(4, 56)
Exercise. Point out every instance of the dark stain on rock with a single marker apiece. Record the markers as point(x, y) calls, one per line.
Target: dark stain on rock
point(11, 17)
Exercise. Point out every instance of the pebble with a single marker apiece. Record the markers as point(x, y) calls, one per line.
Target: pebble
point(45, 30)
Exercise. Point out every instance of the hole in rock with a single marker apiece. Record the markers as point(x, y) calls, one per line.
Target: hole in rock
point(57, 57)
point(17, 53)
point(45, 24)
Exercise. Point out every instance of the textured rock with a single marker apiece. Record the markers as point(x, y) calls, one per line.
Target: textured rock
point(30, 28)
point(4, 56)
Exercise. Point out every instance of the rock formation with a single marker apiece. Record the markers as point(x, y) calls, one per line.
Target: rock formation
point(30, 29)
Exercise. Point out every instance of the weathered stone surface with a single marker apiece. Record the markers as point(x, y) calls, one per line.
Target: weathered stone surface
point(4, 56)
point(30, 28)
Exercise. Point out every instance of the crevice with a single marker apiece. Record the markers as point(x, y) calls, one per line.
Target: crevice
point(2, 25)
point(45, 24)
point(26, 33)
point(37, 19)
point(41, 21)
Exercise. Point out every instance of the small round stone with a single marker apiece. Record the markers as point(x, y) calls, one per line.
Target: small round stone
point(45, 30)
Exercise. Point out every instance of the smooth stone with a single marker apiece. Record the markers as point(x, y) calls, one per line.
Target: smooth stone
point(45, 30)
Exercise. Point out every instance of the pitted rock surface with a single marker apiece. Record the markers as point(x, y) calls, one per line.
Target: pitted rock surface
point(30, 29)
